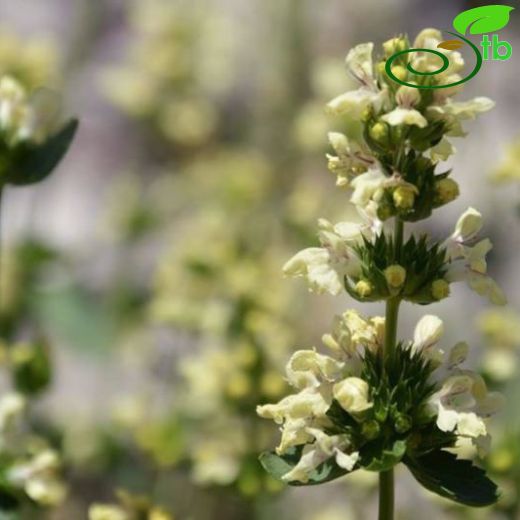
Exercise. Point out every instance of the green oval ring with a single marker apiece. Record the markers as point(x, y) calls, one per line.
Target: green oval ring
point(473, 73)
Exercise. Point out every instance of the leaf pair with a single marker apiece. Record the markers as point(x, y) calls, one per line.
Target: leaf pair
point(438, 471)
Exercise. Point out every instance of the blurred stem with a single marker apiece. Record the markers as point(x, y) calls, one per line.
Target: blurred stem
point(1, 250)
point(386, 478)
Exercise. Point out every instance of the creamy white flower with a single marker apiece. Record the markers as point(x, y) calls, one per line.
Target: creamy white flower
point(325, 267)
point(458, 354)
point(453, 113)
point(107, 512)
point(354, 102)
point(359, 63)
point(427, 334)
point(366, 186)
point(485, 286)
point(407, 97)
point(39, 477)
point(12, 406)
point(463, 403)
point(307, 368)
point(339, 340)
point(315, 265)
point(27, 118)
point(427, 39)
point(442, 150)
point(468, 262)
point(405, 116)
point(296, 413)
point(468, 226)
point(310, 402)
point(350, 159)
point(323, 449)
point(353, 395)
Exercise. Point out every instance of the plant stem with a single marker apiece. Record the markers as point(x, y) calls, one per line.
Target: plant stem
point(386, 495)
point(392, 311)
point(1, 263)
point(386, 478)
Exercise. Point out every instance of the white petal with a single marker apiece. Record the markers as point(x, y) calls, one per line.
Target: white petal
point(428, 332)
point(405, 116)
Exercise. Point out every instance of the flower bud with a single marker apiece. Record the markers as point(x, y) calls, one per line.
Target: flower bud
point(395, 275)
point(384, 211)
point(363, 288)
point(400, 72)
point(440, 289)
point(394, 45)
point(404, 197)
point(371, 429)
point(379, 132)
point(402, 423)
point(352, 394)
point(446, 190)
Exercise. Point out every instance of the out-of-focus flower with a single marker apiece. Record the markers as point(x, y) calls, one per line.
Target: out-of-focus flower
point(467, 259)
point(34, 62)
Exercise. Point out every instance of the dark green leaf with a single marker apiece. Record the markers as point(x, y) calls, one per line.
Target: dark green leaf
point(37, 162)
point(459, 480)
point(32, 372)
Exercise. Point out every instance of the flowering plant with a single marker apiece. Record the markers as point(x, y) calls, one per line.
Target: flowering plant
point(33, 141)
point(373, 402)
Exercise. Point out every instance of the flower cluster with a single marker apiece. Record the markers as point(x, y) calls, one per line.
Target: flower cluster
point(373, 401)
point(501, 332)
point(389, 166)
point(364, 261)
point(344, 416)
point(31, 468)
point(168, 77)
point(403, 132)
point(130, 507)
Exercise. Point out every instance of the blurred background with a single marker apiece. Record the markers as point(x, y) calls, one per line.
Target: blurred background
point(143, 279)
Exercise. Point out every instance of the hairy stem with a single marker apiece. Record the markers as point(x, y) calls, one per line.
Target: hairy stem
point(386, 478)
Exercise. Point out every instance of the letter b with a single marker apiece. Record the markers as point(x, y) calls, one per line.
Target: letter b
point(497, 45)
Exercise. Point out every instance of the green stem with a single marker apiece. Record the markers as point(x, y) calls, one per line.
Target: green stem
point(1, 263)
point(386, 478)
point(386, 495)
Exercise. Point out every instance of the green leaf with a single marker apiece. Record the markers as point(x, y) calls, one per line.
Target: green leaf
point(459, 480)
point(35, 163)
point(485, 19)
point(278, 465)
point(32, 371)
point(375, 457)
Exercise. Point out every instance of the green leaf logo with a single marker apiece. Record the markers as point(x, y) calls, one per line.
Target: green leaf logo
point(485, 19)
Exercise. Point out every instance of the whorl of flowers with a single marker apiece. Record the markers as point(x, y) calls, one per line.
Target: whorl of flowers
point(374, 401)
point(343, 410)
point(33, 138)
